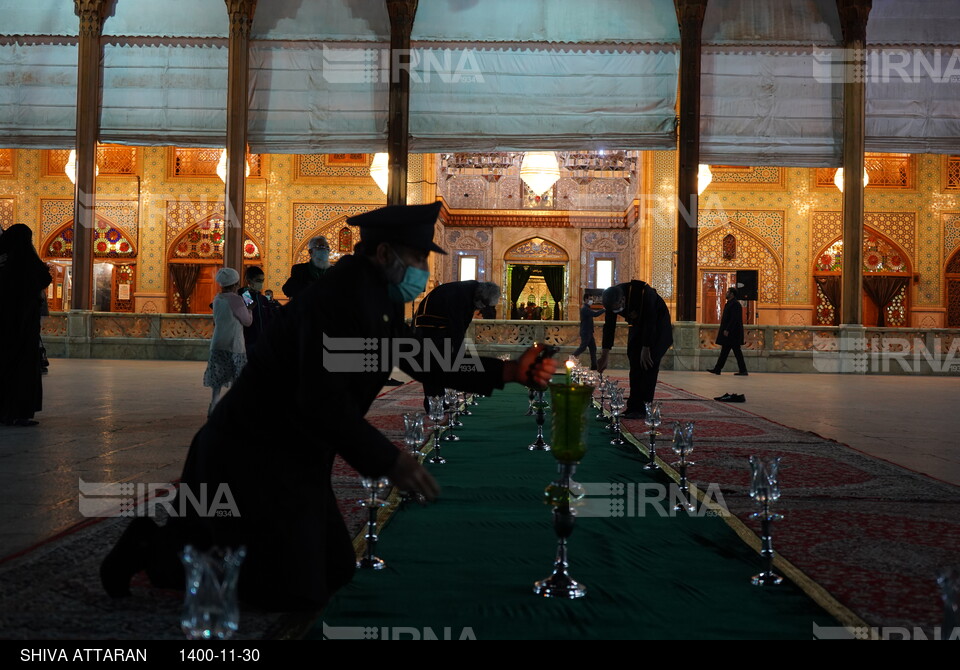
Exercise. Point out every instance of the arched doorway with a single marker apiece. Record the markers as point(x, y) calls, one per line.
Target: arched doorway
point(342, 238)
point(537, 271)
point(720, 254)
point(952, 293)
point(194, 258)
point(886, 282)
point(114, 267)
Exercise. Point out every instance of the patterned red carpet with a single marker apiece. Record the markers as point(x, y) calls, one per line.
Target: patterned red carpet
point(53, 591)
point(872, 534)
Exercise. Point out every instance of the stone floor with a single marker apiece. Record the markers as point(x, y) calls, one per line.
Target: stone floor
point(131, 421)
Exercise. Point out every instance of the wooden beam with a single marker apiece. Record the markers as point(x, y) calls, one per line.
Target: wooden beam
point(690, 17)
point(238, 62)
point(402, 13)
point(91, 14)
point(853, 22)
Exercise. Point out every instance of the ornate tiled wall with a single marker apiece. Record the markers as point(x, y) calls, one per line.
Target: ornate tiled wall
point(6, 213)
point(55, 213)
point(773, 206)
point(924, 220)
point(951, 234)
point(759, 237)
point(596, 244)
point(899, 227)
point(468, 242)
point(661, 198)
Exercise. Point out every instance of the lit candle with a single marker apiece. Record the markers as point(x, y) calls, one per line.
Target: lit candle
point(569, 365)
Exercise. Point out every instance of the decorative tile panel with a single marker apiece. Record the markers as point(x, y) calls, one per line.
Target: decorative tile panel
point(752, 254)
point(6, 213)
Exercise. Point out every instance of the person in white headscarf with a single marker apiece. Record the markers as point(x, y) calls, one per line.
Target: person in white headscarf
point(228, 353)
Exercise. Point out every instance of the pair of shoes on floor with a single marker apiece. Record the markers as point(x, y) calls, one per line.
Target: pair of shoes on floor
point(741, 374)
point(634, 414)
point(21, 422)
point(732, 397)
point(393, 382)
point(128, 557)
point(713, 371)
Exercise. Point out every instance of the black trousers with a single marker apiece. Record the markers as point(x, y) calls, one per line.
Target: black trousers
point(643, 383)
point(725, 351)
point(591, 344)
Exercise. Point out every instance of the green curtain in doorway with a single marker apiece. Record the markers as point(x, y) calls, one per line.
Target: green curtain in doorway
point(519, 275)
point(553, 276)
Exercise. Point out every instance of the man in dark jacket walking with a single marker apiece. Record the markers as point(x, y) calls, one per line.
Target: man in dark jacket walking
point(651, 334)
point(587, 339)
point(730, 335)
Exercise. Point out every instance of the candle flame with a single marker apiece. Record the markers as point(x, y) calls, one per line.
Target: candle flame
point(569, 364)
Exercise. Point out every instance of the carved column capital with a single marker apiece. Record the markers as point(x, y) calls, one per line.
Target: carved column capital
point(690, 12)
point(241, 16)
point(853, 19)
point(91, 13)
point(402, 13)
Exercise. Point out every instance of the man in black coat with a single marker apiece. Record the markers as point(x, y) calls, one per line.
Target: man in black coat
point(444, 315)
point(730, 335)
point(324, 361)
point(587, 339)
point(651, 334)
point(304, 274)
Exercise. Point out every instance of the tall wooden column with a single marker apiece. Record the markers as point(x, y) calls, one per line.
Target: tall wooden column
point(853, 21)
point(91, 13)
point(238, 87)
point(690, 17)
point(401, 14)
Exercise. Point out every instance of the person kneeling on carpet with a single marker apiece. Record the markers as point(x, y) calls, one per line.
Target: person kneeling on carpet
point(299, 552)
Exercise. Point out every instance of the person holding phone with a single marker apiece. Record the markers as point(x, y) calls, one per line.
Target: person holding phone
point(261, 308)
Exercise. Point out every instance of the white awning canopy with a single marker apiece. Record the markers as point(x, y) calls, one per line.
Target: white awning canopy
point(491, 75)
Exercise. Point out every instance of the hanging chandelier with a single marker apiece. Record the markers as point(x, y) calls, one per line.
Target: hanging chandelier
point(222, 167)
point(838, 179)
point(539, 170)
point(704, 177)
point(380, 170)
point(70, 169)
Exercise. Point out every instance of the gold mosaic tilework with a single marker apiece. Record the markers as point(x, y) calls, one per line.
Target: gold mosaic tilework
point(752, 253)
point(6, 213)
point(951, 233)
point(737, 176)
point(415, 178)
point(663, 190)
point(53, 214)
point(7, 162)
point(312, 218)
point(321, 165)
point(900, 227)
point(183, 214)
point(767, 225)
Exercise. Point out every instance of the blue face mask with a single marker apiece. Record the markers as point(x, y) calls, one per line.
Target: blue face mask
point(414, 283)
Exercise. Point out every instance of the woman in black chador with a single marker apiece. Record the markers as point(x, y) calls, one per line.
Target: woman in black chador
point(22, 278)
